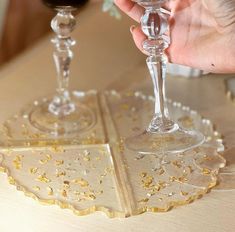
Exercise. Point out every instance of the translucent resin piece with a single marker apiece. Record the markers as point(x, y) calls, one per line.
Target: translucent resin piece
point(161, 181)
point(17, 131)
point(94, 171)
point(80, 178)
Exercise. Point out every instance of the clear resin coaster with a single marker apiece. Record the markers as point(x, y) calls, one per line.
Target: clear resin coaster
point(79, 178)
point(102, 174)
point(161, 181)
point(18, 131)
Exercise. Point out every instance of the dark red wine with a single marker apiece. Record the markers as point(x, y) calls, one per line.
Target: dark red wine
point(58, 3)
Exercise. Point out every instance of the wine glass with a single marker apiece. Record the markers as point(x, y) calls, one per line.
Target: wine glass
point(63, 114)
point(163, 135)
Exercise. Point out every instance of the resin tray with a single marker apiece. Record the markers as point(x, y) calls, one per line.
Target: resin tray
point(95, 172)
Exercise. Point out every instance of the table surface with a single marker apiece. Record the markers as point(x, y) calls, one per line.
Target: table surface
point(106, 58)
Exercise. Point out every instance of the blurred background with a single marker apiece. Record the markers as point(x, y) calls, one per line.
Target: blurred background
point(22, 23)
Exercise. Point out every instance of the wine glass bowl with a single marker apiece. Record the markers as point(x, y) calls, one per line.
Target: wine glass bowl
point(64, 3)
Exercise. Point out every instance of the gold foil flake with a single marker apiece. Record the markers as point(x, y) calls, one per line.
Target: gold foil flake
point(182, 179)
point(81, 182)
point(60, 173)
point(186, 121)
point(48, 156)
point(33, 170)
point(120, 146)
point(147, 182)
point(98, 158)
point(109, 170)
point(206, 171)
point(43, 161)
point(36, 136)
point(84, 196)
point(184, 193)
point(57, 149)
point(43, 178)
point(66, 184)
point(59, 162)
point(142, 201)
point(64, 193)
point(50, 191)
point(100, 192)
point(161, 171)
point(42, 143)
point(90, 196)
point(207, 158)
point(190, 169)
point(177, 163)
point(162, 184)
point(87, 159)
point(17, 162)
point(172, 178)
point(17, 165)
point(11, 180)
point(156, 188)
point(36, 188)
point(143, 174)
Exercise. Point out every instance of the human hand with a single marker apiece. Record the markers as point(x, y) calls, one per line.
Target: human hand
point(202, 32)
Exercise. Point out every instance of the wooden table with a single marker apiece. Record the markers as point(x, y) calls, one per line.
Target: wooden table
point(107, 59)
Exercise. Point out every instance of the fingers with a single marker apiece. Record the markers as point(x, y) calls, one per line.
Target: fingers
point(131, 8)
point(134, 10)
point(138, 37)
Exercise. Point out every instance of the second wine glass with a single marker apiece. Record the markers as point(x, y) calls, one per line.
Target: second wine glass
point(63, 114)
point(163, 135)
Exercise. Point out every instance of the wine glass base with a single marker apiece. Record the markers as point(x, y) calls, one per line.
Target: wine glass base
point(176, 141)
point(80, 120)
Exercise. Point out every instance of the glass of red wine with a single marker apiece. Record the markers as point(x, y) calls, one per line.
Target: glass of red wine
point(63, 114)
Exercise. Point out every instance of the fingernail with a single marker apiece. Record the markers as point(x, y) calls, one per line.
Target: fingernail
point(132, 28)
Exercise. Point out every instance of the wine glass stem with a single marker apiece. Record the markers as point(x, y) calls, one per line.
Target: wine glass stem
point(62, 24)
point(157, 69)
point(155, 26)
